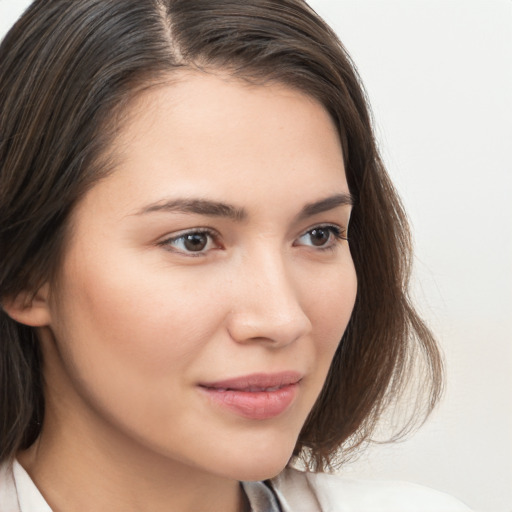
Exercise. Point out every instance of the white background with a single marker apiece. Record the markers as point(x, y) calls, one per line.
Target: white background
point(439, 77)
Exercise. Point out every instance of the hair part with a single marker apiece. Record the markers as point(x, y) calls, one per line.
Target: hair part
point(68, 71)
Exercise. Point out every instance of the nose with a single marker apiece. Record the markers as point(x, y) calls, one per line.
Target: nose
point(266, 303)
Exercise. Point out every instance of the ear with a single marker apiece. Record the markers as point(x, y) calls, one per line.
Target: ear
point(29, 308)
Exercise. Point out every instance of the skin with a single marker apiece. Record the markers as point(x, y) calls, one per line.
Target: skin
point(136, 320)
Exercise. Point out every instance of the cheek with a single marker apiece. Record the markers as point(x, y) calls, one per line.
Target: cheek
point(330, 302)
point(117, 326)
point(330, 298)
point(129, 341)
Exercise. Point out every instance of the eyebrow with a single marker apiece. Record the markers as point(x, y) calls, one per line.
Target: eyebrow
point(324, 205)
point(219, 209)
point(197, 206)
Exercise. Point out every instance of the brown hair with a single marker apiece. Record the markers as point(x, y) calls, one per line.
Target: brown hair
point(67, 67)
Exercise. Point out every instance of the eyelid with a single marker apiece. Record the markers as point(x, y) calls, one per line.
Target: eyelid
point(342, 230)
point(169, 239)
point(338, 232)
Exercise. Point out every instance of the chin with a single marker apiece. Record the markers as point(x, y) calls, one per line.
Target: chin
point(253, 472)
point(256, 465)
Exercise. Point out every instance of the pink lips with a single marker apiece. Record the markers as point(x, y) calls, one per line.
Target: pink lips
point(257, 396)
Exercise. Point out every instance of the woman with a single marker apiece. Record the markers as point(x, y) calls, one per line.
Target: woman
point(177, 184)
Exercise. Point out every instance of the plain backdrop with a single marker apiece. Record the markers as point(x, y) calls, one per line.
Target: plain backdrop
point(439, 77)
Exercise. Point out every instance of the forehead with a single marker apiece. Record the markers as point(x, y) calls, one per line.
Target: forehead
point(199, 112)
point(215, 136)
point(201, 98)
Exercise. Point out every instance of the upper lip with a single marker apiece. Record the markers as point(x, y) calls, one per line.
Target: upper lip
point(256, 381)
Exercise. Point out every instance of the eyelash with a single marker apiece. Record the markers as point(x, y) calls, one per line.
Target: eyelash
point(336, 232)
point(213, 235)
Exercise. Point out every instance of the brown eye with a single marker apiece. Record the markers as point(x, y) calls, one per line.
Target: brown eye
point(192, 243)
point(319, 236)
point(195, 242)
point(322, 237)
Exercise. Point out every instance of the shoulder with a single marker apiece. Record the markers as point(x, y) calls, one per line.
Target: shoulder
point(307, 492)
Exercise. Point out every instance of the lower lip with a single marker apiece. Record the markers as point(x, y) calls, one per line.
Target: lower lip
point(254, 405)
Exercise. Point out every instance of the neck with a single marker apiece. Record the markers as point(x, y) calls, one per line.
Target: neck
point(77, 472)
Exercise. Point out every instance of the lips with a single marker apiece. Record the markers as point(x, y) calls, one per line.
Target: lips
point(256, 396)
point(256, 382)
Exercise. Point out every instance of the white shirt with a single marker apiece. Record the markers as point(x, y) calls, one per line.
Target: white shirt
point(296, 491)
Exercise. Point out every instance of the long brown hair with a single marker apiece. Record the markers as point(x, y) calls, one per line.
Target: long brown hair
point(68, 68)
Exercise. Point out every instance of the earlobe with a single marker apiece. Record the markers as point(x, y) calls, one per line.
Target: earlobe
point(29, 308)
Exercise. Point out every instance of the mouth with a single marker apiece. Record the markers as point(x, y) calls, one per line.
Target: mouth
point(256, 382)
point(250, 389)
point(257, 396)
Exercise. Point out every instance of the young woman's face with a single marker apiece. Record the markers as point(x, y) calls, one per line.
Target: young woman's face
point(206, 283)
